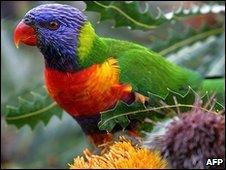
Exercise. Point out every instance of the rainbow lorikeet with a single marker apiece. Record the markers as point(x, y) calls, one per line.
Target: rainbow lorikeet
point(87, 74)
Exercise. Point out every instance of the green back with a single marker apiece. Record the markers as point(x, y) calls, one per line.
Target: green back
point(145, 70)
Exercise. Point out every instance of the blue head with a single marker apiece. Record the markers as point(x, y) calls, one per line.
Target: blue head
point(56, 27)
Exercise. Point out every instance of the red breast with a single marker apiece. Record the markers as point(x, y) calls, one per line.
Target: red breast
point(89, 91)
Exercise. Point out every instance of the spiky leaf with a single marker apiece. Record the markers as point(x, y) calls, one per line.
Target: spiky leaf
point(158, 110)
point(128, 13)
point(30, 112)
point(111, 117)
point(175, 41)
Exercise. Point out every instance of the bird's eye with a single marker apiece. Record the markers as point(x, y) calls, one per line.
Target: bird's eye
point(27, 21)
point(53, 25)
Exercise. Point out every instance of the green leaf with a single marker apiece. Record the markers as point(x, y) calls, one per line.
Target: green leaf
point(31, 112)
point(185, 100)
point(175, 41)
point(124, 14)
point(116, 115)
point(128, 13)
point(196, 10)
point(158, 110)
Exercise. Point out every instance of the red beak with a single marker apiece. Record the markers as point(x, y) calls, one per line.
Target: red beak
point(25, 34)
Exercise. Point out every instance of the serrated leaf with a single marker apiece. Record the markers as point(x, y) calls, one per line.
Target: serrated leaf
point(211, 102)
point(185, 99)
point(175, 41)
point(116, 116)
point(128, 14)
point(30, 112)
point(197, 10)
point(206, 57)
point(124, 14)
point(24, 104)
point(157, 110)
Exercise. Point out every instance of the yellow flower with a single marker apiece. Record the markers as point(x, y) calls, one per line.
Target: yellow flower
point(121, 154)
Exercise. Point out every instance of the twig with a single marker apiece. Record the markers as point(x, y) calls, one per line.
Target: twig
point(176, 103)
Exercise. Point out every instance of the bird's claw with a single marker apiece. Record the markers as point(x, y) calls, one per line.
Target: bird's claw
point(141, 99)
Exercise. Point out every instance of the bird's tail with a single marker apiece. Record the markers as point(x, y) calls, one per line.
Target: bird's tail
point(214, 85)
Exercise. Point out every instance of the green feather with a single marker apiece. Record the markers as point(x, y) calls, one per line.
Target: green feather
point(147, 71)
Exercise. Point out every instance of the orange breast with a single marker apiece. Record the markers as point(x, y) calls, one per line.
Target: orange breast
point(89, 91)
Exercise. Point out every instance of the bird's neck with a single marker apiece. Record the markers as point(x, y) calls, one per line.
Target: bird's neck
point(86, 39)
point(61, 57)
point(91, 48)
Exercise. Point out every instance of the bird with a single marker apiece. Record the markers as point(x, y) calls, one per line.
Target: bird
point(87, 74)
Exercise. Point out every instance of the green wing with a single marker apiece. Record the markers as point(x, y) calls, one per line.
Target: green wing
point(148, 72)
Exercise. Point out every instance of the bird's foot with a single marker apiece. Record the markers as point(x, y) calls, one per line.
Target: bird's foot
point(141, 99)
